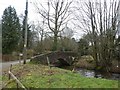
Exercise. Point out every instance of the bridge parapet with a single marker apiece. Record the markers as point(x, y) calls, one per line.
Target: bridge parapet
point(56, 57)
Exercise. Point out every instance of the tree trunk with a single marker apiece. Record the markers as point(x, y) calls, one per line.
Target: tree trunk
point(55, 42)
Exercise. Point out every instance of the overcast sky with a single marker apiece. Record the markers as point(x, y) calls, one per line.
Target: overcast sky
point(19, 5)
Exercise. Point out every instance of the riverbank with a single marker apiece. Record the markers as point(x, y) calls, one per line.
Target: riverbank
point(40, 76)
point(87, 62)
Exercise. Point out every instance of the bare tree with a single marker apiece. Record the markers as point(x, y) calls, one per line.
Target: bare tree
point(100, 20)
point(56, 14)
point(40, 29)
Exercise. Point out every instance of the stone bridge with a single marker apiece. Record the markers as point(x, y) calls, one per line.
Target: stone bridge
point(56, 58)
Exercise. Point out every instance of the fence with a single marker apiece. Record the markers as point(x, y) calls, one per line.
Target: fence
point(18, 83)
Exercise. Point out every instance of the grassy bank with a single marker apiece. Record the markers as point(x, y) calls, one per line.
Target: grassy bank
point(39, 76)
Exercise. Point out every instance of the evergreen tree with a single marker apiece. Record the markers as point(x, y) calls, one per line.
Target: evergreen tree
point(10, 30)
point(29, 35)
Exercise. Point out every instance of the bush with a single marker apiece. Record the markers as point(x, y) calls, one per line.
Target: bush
point(9, 57)
point(86, 62)
point(30, 53)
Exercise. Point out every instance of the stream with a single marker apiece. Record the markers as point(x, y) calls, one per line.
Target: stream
point(95, 74)
point(98, 74)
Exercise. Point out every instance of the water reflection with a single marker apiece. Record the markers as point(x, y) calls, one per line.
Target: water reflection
point(86, 73)
point(93, 73)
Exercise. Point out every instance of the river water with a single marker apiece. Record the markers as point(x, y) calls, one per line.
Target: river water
point(98, 74)
point(95, 74)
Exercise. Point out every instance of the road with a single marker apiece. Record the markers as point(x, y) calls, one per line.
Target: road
point(6, 65)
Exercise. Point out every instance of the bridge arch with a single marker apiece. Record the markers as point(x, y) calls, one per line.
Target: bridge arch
point(63, 62)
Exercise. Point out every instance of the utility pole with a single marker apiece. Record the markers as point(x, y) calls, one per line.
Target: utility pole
point(25, 39)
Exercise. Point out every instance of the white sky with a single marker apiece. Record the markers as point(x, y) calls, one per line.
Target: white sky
point(19, 5)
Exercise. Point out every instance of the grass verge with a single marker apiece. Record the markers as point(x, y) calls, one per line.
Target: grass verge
point(40, 76)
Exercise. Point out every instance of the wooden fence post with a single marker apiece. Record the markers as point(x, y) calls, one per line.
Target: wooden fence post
point(20, 57)
point(17, 81)
point(10, 71)
point(19, 60)
point(73, 59)
point(48, 62)
point(17, 86)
